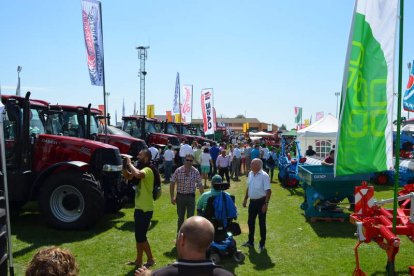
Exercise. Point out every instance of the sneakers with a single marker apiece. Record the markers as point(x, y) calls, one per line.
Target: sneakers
point(248, 244)
point(261, 248)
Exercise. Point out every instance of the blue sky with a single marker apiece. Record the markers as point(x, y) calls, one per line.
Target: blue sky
point(262, 58)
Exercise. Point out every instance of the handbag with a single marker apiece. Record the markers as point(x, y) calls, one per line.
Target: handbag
point(234, 228)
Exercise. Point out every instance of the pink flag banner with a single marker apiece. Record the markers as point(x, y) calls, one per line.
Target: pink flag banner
point(319, 115)
point(92, 28)
point(207, 110)
point(186, 107)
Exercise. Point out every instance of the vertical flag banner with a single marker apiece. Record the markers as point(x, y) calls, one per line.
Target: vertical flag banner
point(214, 118)
point(307, 122)
point(92, 28)
point(186, 107)
point(177, 118)
point(207, 110)
point(176, 101)
point(298, 114)
point(169, 116)
point(123, 108)
point(135, 108)
point(102, 109)
point(116, 117)
point(408, 100)
point(244, 127)
point(364, 141)
point(150, 111)
point(319, 115)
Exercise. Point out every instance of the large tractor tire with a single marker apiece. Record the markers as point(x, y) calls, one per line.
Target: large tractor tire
point(3, 236)
point(71, 201)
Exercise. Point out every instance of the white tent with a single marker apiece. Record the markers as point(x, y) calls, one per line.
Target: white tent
point(321, 135)
point(260, 133)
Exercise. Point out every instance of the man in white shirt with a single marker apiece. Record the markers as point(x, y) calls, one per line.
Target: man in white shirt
point(169, 155)
point(259, 192)
point(235, 164)
point(154, 152)
point(223, 164)
point(185, 150)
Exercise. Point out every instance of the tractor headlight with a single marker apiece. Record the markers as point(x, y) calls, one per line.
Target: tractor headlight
point(111, 168)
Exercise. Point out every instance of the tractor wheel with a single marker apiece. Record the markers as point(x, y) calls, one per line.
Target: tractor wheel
point(3, 236)
point(71, 201)
point(215, 258)
point(239, 256)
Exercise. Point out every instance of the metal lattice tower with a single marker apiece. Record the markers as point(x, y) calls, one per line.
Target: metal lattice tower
point(142, 56)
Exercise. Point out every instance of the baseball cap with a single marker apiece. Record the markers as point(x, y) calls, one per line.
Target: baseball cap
point(216, 179)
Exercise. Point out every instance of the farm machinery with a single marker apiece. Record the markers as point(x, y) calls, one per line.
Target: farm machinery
point(288, 167)
point(324, 192)
point(375, 223)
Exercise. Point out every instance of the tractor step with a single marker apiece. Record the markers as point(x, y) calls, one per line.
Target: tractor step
point(327, 219)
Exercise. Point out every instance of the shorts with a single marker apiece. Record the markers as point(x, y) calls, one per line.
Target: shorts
point(142, 222)
point(205, 169)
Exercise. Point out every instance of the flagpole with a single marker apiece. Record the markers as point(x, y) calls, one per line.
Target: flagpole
point(397, 146)
point(103, 76)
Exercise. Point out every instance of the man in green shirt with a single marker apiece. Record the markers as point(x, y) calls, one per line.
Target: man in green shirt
point(144, 206)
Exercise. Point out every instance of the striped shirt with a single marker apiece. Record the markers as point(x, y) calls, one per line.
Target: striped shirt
point(187, 182)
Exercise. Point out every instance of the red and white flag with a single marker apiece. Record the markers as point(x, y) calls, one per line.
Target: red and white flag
point(186, 106)
point(207, 109)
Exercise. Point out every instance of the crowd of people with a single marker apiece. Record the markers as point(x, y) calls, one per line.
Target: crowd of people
point(187, 170)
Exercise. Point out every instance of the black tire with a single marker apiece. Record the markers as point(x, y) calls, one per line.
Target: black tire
point(3, 236)
point(71, 201)
point(215, 258)
point(239, 256)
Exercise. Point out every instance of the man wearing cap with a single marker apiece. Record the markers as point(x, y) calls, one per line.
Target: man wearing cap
point(202, 201)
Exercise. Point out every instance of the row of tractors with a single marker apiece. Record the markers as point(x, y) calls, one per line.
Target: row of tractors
point(59, 156)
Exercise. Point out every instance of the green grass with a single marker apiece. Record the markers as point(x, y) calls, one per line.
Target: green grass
point(294, 245)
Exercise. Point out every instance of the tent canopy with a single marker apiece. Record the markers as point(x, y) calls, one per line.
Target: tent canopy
point(326, 127)
point(260, 133)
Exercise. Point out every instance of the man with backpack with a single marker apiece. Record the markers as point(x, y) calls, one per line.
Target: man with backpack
point(144, 204)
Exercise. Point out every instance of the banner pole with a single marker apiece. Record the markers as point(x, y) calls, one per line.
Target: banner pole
point(397, 145)
point(103, 77)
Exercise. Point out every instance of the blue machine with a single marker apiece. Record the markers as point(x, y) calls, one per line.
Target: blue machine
point(288, 169)
point(324, 192)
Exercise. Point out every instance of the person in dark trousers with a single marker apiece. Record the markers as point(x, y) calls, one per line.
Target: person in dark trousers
point(187, 179)
point(214, 152)
point(223, 165)
point(193, 241)
point(259, 192)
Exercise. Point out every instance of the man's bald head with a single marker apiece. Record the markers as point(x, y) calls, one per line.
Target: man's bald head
point(198, 233)
point(256, 165)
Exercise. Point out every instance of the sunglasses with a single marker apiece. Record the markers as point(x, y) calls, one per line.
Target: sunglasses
point(188, 160)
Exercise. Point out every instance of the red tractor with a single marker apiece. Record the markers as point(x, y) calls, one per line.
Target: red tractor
point(85, 122)
point(148, 130)
point(74, 180)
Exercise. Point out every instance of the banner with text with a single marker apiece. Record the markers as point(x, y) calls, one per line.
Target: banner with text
point(364, 141)
point(92, 28)
point(186, 106)
point(150, 111)
point(207, 110)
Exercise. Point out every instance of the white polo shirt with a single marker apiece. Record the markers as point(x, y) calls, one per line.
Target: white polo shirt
point(258, 184)
point(186, 150)
point(169, 155)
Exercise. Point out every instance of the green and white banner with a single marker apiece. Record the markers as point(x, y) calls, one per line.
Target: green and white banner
point(364, 142)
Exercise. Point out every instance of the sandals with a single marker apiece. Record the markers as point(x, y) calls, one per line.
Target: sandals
point(133, 263)
point(149, 264)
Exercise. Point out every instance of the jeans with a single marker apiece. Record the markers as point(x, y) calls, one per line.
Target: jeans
point(185, 203)
point(168, 170)
point(255, 209)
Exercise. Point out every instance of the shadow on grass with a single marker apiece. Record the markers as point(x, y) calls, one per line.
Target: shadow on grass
point(334, 229)
point(172, 254)
point(295, 191)
point(261, 261)
point(30, 227)
point(129, 226)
